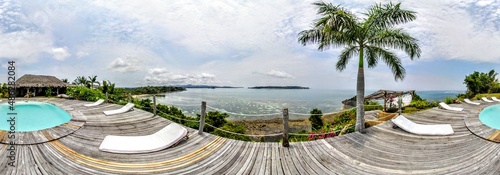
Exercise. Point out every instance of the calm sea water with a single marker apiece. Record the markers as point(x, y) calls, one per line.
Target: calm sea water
point(242, 103)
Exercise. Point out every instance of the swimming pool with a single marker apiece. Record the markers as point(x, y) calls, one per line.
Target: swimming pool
point(490, 116)
point(33, 116)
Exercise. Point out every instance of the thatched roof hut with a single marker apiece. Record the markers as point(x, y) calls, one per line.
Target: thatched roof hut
point(29, 81)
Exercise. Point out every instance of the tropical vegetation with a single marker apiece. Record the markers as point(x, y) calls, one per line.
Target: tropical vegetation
point(480, 82)
point(369, 37)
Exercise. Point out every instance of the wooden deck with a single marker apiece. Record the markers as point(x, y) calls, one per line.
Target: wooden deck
point(382, 150)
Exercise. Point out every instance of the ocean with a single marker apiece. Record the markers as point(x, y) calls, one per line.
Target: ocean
point(249, 104)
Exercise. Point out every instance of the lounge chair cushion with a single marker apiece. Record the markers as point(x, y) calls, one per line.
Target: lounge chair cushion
point(164, 138)
point(471, 102)
point(445, 106)
point(486, 100)
point(126, 108)
point(98, 102)
point(420, 129)
point(495, 99)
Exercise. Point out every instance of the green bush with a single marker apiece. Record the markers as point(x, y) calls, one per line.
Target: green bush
point(449, 100)
point(48, 92)
point(373, 105)
point(410, 110)
point(216, 119)
point(423, 104)
point(417, 97)
point(315, 118)
point(392, 109)
point(479, 96)
point(295, 138)
point(83, 93)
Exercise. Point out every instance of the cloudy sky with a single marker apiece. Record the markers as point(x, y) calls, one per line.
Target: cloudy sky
point(234, 42)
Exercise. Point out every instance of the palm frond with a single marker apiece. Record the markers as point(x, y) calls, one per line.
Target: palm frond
point(396, 39)
point(371, 57)
point(334, 28)
point(345, 56)
point(388, 15)
point(390, 59)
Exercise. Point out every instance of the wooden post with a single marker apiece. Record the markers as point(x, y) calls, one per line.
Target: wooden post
point(285, 128)
point(154, 104)
point(106, 97)
point(202, 117)
point(400, 101)
point(129, 98)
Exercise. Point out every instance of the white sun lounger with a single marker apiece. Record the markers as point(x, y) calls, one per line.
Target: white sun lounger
point(98, 102)
point(445, 106)
point(471, 102)
point(495, 99)
point(420, 129)
point(486, 100)
point(164, 138)
point(62, 96)
point(126, 108)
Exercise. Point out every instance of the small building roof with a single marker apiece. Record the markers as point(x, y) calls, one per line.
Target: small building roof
point(29, 80)
point(384, 94)
point(380, 94)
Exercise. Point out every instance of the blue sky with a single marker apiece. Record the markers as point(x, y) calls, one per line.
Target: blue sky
point(236, 43)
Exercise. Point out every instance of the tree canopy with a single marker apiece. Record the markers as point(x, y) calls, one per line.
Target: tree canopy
point(480, 82)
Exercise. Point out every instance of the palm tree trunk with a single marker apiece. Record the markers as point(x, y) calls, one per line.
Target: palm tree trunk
point(360, 95)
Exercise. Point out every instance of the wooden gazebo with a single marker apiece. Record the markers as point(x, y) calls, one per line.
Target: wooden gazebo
point(386, 95)
point(36, 84)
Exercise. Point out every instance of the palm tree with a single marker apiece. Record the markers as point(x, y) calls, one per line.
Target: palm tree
point(65, 80)
point(80, 80)
point(370, 38)
point(104, 86)
point(111, 87)
point(92, 80)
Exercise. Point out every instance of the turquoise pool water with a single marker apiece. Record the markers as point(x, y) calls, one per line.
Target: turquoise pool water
point(490, 116)
point(33, 116)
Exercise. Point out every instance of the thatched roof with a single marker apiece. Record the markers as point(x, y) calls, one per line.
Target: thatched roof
point(29, 80)
point(385, 94)
point(380, 94)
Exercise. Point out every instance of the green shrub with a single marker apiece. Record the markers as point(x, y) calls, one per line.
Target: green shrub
point(416, 97)
point(83, 93)
point(294, 138)
point(392, 109)
point(315, 118)
point(371, 108)
point(449, 100)
point(479, 96)
point(216, 119)
point(373, 105)
point(48, 92)
point(410, 110)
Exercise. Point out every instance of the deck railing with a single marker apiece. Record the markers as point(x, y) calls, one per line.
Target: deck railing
point(284, 115)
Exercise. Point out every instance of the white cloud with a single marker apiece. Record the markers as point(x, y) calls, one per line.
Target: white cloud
point(127, 64)
point(229, 23)
point(160, 76)
point(60, 53)
point(484, 3)
point(80, 54)
point(156, 71)
point(278, 74)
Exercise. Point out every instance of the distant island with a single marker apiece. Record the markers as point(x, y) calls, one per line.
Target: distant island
point(278, 87)
point(205, 86)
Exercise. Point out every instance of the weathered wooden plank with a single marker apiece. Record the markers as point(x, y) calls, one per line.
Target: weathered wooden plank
point(382, 150)
point(247, 166)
